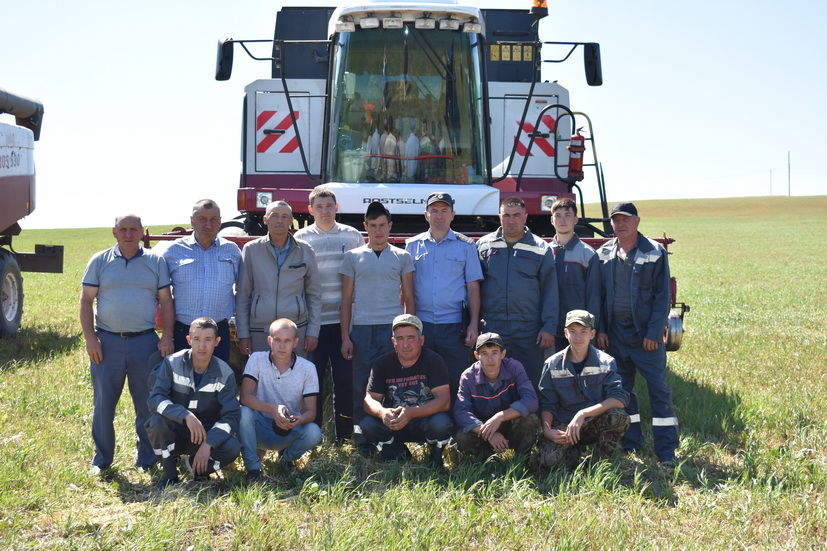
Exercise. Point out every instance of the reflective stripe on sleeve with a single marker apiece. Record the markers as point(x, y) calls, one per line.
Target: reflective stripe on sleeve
point(162, 406)
point(223, 426)
point(634, 418)
point(664, 421)
point(212, 387)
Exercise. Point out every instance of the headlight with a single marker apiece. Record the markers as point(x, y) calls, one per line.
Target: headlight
point(263, 198)
point(546, 201)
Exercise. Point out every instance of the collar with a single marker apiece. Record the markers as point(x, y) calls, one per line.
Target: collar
point(287, 244)
point(480, 377)
point(189, 364)
point(568, 246)
point(190, 240)
point(448, 236)
point(334, 229)
point(525, 238)
point(292, 364)
point(591, 357)
point(117, 250)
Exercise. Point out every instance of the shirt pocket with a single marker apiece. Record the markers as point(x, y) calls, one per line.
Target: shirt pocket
point(526, 264)
point(226, 271)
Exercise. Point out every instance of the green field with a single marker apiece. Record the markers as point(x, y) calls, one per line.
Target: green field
point(749, 384)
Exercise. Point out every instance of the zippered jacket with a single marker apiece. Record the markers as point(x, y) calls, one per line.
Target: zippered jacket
point(578, 280)
point(267, 292)
point(174, 395)
point(520, 283)
point(563, 392)
point(650, 295)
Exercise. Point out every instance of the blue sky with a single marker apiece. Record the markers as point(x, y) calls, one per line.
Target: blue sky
point(700, 99)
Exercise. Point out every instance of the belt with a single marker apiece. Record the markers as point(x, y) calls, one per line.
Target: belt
point(127, 334)
point(225, 320)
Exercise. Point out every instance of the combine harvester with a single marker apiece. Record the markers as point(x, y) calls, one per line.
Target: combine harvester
point(17, 193)
point(391, 101)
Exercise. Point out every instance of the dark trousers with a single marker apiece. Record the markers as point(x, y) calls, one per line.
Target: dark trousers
point(603, 431)
point(171, 439)
point(448, 340)
point(329, 352)
point(520, 340)
point(179, 338)
point(369, 342)
point(124, 359)
point(435, 429)
point(521, 434)
point(631, 358)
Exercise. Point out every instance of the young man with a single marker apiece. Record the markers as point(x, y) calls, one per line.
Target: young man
point(278, 393)
point(204, 268)
point(407, 396)
point(496, 404)
point(278, 279)
point(195, 405)
point(127, 285)
point(329, 240)
point(373, 276)
point(519, 292)
point(636, 295)
point(446, 286)
point(578, 269)
point(581, 398)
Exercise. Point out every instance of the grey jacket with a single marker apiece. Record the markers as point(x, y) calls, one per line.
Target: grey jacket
point(521, 283)
point(266, 292)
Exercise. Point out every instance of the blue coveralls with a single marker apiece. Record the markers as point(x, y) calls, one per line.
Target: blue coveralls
point(647, 291)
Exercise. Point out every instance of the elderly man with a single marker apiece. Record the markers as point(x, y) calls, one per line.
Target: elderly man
point(578, 269)
point(519, 292)
point(446, 286)
point(278, 394)
point(195, 405)
point(636, 300)
point(279, 279)
point(496, 404)
point(127, 284)
point(407, 396)
point(581, 398)
point(204, 268)
point(329, 240)
point(374, 276)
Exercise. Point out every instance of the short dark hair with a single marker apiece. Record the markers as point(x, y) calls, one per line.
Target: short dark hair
point(564, 203)
point(204, 204)
point(320, 191)
point(204, 323)
point(375, 210)
point(512, 202)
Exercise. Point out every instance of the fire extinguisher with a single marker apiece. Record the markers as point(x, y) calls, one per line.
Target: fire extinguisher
point(577, 147)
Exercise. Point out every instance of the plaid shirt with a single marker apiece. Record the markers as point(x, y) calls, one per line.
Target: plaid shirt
point(203, 279)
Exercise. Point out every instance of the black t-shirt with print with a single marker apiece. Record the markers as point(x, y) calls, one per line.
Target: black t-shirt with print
point(407, 386)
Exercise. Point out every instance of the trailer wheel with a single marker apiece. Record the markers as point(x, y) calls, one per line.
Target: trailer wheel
point(673, 334)
point(11, 295)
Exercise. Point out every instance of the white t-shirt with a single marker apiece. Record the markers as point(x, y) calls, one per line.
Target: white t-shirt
point(288, 388)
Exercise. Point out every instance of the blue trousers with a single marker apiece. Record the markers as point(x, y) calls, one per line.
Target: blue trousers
point(171, 439)
point(448, 340)
point(125, 359)
point(435, 429)
point(520, 340)
point(329, 351)
point(179, 339)
point(256, 431)
point(369, 342)
point(627, 349)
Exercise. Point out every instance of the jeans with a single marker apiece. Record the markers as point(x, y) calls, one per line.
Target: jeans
point(330, 350)
point(435, 429)
point(124, 359)
point(256, 431)
point(369, 342)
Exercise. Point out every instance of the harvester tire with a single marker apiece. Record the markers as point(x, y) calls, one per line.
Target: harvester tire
point(11, 295)
point(673, 335)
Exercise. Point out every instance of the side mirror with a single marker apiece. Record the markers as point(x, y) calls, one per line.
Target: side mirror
point(591, 60)
point(224, 60)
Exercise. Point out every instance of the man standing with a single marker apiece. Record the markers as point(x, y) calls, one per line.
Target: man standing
point(195, 405)
point(278, 394)
point(407, 396)
point(446, 285)
point(581, 398)
point(519, 292)
point(373, 276)
point(329, 240)
point(279, 279)
point(578, 269)
point(636, 299)
point(204, 268)
point(496, 403)
point(120, 336)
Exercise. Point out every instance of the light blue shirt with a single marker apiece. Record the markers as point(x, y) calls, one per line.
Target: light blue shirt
point(442, 271)
point(203, 279)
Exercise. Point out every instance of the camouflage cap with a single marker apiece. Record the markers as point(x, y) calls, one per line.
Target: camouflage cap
point(407, 319)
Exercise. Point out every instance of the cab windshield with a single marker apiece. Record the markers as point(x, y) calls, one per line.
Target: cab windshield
point(407, 108)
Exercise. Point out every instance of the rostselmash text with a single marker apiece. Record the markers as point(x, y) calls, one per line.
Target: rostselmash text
point(393, 200)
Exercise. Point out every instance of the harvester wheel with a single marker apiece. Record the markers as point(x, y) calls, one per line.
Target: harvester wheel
point(11, 295)
point(673, 334)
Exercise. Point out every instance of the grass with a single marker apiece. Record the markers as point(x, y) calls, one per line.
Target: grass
point(749, 385)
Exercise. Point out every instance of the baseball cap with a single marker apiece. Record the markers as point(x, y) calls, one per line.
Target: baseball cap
point(489, 338)
point(407, 319)
point(439, 198)
point(378, 209)
point(580, 316)
point(626, 209)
